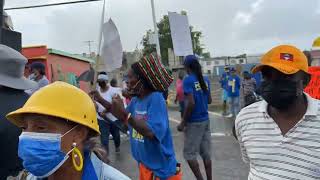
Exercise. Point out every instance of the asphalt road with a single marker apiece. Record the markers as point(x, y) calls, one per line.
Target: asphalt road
point(226, 158)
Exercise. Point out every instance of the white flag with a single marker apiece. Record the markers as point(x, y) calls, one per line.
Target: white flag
point(180, 34)
point(111, 55)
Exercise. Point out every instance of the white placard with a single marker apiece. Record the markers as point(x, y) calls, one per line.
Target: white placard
point(180, 33)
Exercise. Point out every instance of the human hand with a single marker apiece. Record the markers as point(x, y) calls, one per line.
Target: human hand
point(181, 127)
point(117, 108)
point(95, 95)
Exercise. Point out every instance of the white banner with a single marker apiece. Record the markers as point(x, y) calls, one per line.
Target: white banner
point(111, 55)
point(180, 34)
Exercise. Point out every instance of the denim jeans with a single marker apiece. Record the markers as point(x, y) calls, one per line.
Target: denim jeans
point(234, 105)
point(106, 128)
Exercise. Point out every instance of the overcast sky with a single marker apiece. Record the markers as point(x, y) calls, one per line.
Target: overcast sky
point(230, 27)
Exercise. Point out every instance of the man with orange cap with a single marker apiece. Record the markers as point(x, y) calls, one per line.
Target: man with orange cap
point(279, 136)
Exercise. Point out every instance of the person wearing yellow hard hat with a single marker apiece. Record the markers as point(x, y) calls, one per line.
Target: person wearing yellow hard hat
point(316, 43)
point(279, 136)
point(59, 136)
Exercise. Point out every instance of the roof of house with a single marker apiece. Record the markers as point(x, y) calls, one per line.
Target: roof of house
point(63, 53)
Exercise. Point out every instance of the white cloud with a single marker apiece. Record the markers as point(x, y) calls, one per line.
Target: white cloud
point(256, 6)
point(245, 18)
point(318, 7)
point(229, 27)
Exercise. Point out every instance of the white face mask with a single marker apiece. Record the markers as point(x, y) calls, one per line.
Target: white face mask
point(31, 76)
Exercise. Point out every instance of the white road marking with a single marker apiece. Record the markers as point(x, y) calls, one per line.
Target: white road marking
point(214, 113)
point(218, 134)
point(210, 112)
point(212, 134)
point(174, 120)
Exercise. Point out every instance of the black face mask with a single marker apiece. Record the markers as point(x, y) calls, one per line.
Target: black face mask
point(102, 84)
point(280, 94)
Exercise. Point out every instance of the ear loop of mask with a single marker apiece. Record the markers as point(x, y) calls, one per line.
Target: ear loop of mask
point(140, 89)
point(64, 159)
point(69, 130)
point(136, 84)
point(131, 90)
point(75, 152)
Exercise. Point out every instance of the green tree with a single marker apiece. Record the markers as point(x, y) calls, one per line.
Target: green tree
point(166, 41)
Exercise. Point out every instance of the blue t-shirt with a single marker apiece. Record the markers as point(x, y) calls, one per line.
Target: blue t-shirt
point(233, 86)
point(89, 172)
point(192, 86)
point(156, 154)
point(224, 80)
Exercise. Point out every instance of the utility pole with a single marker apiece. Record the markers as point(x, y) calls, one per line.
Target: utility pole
point(89, 46)
point(155, 28)
point(1, 19)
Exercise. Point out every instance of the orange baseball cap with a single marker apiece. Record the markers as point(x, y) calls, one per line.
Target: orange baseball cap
point(285, 58)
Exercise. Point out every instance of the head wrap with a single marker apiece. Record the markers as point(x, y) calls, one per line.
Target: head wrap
point(103, 77)
point(155, 73)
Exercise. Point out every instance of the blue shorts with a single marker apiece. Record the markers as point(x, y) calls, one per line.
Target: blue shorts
point(224, 95)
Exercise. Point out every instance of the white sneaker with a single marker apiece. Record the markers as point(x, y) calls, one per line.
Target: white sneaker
point(229, 116)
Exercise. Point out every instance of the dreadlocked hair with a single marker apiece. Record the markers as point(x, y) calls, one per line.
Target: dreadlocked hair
point(197, 70)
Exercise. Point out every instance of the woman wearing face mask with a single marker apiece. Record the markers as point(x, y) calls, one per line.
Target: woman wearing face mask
point(38, 75)
point(59, 136)
point(147, 116)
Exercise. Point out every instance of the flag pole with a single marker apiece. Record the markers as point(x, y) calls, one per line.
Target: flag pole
point(98, 60)
point(155, 28)
point(1, 20)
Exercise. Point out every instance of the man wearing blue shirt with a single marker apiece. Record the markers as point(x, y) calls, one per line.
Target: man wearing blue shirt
point(233, 88)
point(223, 83)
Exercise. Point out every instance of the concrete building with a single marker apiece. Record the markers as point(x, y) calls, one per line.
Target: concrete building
point(175, 62)
point(214, 66)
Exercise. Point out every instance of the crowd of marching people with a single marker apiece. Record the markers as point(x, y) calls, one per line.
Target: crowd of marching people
point(57, 131)
point(238, 90)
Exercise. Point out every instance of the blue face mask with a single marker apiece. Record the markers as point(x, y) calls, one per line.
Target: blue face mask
point(41, 152)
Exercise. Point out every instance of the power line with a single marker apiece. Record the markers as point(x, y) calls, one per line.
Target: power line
point(47, 5)
point(89, 45)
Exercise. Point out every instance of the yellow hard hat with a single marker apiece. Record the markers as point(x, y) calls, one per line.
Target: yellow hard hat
point(316, 43)
point(61, 100)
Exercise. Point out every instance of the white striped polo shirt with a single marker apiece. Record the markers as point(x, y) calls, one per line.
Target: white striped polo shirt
point(272, 156)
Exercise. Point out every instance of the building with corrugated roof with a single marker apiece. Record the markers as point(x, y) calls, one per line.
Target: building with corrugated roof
point(60, 65)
